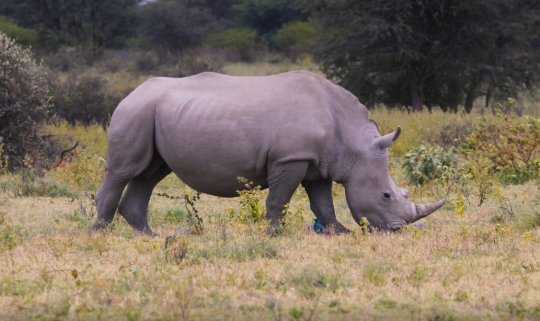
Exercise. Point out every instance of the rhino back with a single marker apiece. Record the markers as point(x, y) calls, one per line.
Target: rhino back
point(212, 128)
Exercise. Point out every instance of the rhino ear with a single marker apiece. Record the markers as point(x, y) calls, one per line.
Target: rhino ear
point(385, 141)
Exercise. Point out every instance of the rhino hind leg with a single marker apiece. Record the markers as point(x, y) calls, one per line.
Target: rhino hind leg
point(320, 201)
point(134, 204)
point(107, 200)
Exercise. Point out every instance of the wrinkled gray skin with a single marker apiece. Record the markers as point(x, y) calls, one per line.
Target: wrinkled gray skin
point(277, 131)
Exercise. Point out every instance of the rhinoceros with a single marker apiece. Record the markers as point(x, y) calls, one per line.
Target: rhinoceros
point(280, 132)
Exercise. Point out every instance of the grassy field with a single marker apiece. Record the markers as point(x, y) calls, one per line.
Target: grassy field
point(481, 265)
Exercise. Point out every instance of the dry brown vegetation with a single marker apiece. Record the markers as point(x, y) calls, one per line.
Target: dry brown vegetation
point(485, 267)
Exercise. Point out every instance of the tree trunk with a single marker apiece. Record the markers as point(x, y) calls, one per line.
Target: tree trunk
point(488, 96)
point(454, 108)
point(429, 107)
point(417, 99)
point(471, 94)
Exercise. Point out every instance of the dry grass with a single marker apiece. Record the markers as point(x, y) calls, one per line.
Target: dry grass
point(472, 270)
point(270, 67)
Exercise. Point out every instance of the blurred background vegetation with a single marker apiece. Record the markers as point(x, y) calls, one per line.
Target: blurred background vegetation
point(446, 57)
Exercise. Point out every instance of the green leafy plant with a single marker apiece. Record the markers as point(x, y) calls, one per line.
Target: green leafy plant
point(250, 206)
point(239, 42)
point(428, 164)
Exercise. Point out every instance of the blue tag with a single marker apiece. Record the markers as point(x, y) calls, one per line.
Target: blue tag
point(318, 227)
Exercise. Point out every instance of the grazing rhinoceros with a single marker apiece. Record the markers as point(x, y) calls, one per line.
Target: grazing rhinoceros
point(277, 131)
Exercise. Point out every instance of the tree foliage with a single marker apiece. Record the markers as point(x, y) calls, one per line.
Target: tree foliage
point(434, 53)
point(295, 38)
point(94, 23)
point(174, 26)
point(267, 16)
point(24, 102)
point(23, 36)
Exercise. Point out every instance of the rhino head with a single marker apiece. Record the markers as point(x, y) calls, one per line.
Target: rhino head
point(371, 192)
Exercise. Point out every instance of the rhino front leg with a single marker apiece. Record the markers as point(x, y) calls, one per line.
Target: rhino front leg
point(283, 179)
point(134, 204)
point(322, 205)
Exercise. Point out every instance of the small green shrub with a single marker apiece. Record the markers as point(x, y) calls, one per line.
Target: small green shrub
point(529, 219)
point(7, 238)
point(23, 36)
point(86, 171)
point(250, 205)
point(176, 215)
point(423, 165)
point(295, 38)
point(242, 44)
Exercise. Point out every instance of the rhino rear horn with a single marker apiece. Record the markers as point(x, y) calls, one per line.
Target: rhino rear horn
point(385, 141)
point(424, 210)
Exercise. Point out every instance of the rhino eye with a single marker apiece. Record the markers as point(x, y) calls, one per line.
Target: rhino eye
point(386, 195)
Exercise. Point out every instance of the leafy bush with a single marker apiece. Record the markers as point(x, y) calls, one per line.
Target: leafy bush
point(423, 165)
point(115, 61)
point(24, 102)
point(84, 98)
point(512, 147)
point(23, 36)
point(146, 61)
point(66, 59)
point(452, 133)
point(295, 38)
point(250, 205)
point(240, 43)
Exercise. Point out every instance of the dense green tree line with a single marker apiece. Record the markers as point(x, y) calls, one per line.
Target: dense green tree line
point(430, 52)
point(411, 53)
point(165, 24)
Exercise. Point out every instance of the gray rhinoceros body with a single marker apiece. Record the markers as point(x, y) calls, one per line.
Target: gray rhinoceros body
point(277, 131)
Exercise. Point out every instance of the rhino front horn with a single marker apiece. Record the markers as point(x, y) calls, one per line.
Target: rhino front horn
point(424, 210)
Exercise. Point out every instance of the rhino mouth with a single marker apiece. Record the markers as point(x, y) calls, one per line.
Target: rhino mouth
point(388, 227)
